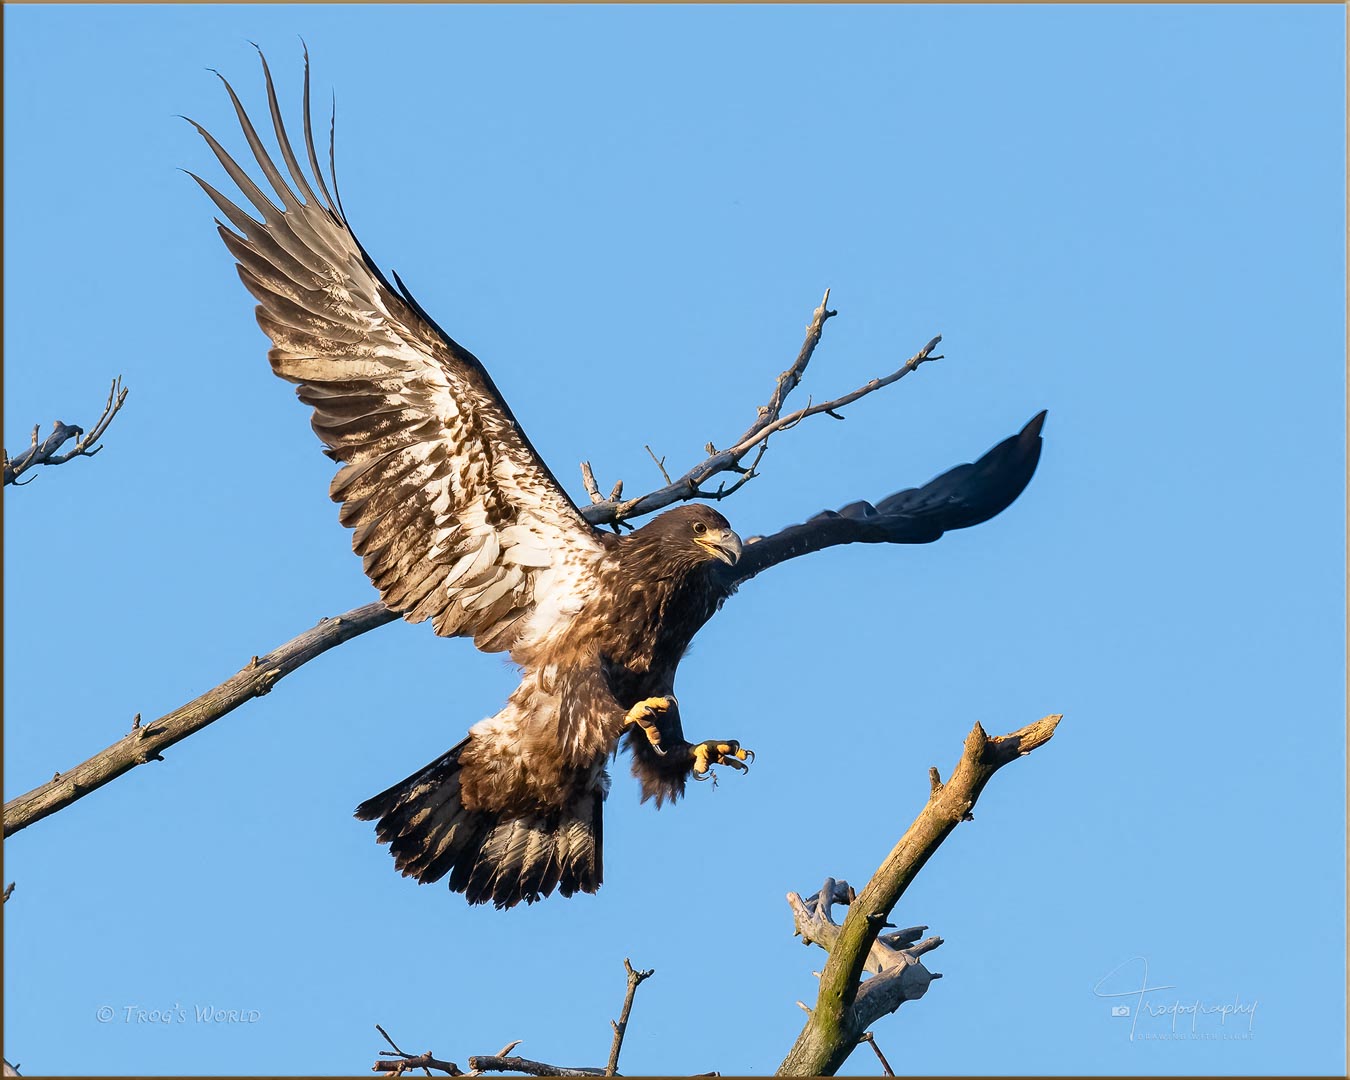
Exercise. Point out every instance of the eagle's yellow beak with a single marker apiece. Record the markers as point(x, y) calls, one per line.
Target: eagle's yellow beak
point(722, 544)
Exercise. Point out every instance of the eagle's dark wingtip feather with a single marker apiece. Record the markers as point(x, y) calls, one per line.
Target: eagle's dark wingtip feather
point(963, 496)
point(310, 151)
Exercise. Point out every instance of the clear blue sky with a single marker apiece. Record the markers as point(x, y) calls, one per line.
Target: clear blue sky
point(1130, 216)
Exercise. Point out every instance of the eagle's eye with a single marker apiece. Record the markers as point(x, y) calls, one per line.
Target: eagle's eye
point(699, 528)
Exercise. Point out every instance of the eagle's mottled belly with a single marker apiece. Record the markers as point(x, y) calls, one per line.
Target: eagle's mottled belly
point(641, 649)
point(570, 710)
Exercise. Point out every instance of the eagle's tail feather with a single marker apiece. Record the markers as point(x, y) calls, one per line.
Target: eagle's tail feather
point(490, 856)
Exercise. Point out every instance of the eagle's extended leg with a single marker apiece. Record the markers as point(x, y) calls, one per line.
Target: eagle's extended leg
point(646, 714)
point(663, 758)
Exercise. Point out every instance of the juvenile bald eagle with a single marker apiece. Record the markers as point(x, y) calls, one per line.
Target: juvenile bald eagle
point(457, 520)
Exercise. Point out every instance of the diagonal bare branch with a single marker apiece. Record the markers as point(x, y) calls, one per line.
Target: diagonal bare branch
point(847, 1005)
point(145, 742)
point(635, 979)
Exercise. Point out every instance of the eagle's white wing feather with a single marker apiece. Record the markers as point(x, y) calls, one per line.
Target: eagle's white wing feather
point(454, 514)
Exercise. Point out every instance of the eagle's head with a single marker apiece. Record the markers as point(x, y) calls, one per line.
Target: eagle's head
point(691, 535)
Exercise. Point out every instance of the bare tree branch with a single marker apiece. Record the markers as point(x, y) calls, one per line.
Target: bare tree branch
point(399, 1062)
point(847, 1005)
point(768, 422)
point(45, 452)
point(503, 1061)
point(426, 1062)
point(145, 742)
point(635, 979)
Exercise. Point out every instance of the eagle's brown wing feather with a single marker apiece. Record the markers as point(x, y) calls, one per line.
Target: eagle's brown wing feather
point(455, 516)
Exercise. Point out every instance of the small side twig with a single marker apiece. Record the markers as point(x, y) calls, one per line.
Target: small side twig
point(635, 979)
point(44, 452)
point(660, 462)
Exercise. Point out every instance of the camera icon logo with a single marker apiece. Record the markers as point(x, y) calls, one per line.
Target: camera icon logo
point(1120, 1010)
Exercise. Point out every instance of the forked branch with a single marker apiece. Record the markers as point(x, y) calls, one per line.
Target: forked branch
point(44, 452)
point(769, 421)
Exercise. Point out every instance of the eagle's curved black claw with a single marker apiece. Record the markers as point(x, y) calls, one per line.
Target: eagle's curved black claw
point(644, 714)
point(720, 752)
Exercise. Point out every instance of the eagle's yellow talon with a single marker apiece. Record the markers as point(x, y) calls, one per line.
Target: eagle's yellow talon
point(643, 714)
point(710, 753)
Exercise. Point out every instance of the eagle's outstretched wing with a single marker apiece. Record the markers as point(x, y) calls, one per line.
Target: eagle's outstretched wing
point(455, 516)
point(964, 496)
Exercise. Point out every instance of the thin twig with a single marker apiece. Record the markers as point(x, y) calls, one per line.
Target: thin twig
point(635, 979)
point(45, 452)
point(871, 1041)
point(788, 381)
point(660, 462)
